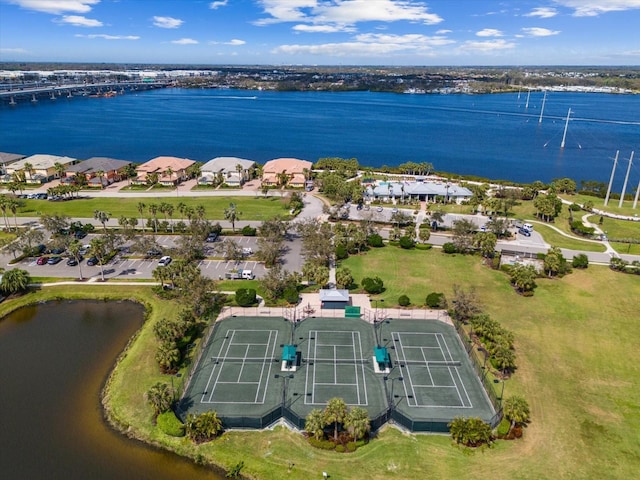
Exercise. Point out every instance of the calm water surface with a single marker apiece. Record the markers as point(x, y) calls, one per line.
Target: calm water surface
point(496, 136)
point(54, 360)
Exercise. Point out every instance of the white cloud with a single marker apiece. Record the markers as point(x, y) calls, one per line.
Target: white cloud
point(234, 42)
point(167, 22)
point(489, 32)
point(345, 12)
point(542, 12)
point(444, 31)
point(371, 45)
point(79, 21)
point(109, 37)
point(593, 8)
point(185, 41)
point(322, 28)
point(56, 6)
point(486, 46)
point(540, 32)
point(218, 4)
point(12, 50)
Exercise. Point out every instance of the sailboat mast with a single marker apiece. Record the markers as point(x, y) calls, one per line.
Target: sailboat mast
point(544, 99)
point(566, 125)
point(528, 95)
point(626, 179)
point(613, 171)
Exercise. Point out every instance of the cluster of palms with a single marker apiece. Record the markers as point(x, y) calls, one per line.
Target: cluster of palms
point(14, 281)
point(353, 423)
point(497, 341)
point(174, 336)
point(9, 204)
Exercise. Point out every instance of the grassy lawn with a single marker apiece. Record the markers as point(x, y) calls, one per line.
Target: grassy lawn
point(577, 367)
point(620, 229)
point(250, 208)
point(598, 203)
point(552, 237)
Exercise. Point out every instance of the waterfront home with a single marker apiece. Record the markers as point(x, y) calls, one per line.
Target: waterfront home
point(39, 168)
point(170, 171)
point(291, 172)
point(8, 158)
point(99, 171)
point(230, 170)
point(422, 191)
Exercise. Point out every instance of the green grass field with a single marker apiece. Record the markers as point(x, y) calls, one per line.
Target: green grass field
point(626, 209)
point(577, 362)
point(250, 208)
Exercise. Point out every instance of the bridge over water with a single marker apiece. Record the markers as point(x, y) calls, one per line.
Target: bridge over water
point(15, 96)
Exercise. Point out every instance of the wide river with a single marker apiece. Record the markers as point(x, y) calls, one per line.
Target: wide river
point(54, 359)
point(496, 136)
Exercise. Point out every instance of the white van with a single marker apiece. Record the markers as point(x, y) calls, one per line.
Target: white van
point(528, 226)
point(247, 275)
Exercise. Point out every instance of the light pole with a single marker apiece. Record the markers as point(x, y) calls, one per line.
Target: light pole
point(496, 380)
point(285, 379)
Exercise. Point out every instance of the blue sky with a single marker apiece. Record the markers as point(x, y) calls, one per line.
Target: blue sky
point(323, 32)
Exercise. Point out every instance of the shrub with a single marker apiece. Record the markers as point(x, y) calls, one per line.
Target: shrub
point(580, 261)
point(407, 242)
point(423, 246)
point(375, 240)
point(341, 252)
point(503, 428)
point(373, 285)
point(449, 248)
point(291, 295)
point(575, 207)
point(322, 444)
point(170, 424)
point(352, 446)
point(248, 231)
point(245, 297)
point(404, 301)
point(216, 228)
point(578, 227)
point(436, 300)
point(340, 448)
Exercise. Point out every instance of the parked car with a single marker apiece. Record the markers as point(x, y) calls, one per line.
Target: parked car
point(73, 261)
point(524, 231)
point(56, 250)
point(164, 261)
point(247, 251)
point(394, 210)
point(379, 209)
point(84, 249)
point(212, 237)
point(54, 260)
point(92, 261)
point(42, 260)
point(80, 234)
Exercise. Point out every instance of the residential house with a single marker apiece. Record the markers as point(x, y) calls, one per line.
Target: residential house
point(8, 158)
point(286, 171)
point(170, 170)
point(42, 167)
point(230, 170)
point(99, 171)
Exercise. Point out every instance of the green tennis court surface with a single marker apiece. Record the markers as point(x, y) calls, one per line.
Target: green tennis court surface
point(241, 373)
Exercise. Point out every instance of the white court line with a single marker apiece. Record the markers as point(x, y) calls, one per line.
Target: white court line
point(364, 377)
point(244, 361)
point(273, 348)
point(449, 359)
point(466, 394)
point(428, 369)
point(206, 389)
point(407, 370)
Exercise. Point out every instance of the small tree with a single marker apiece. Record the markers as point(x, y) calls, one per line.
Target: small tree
point(404, 301)
point(373, 285)
point(15, 281)
point(160, 397)
point(580, 261)
point(335, 413)
point(203, 427)
point(344, 278)
point(471, 432)
point(516, 410)
point(407, 242)
point(436, 300)
point(246, 297)
point(465, 304)
point(314, 424)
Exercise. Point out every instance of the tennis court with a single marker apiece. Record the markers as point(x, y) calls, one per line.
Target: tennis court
point(243, 375)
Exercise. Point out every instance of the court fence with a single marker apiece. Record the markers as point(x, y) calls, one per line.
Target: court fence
point(481, 370)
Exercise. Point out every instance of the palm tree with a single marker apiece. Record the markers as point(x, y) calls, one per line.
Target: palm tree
point(358, 422)
point(231, 214)
point(168, 356)
point(160, 397)
point(181, 209)
point(99, 250)
point(335, 412)
point(153, 210)
point(28, 167)
point(516, 410)
point(169, 173)
point(141, 207)
point(240, 170)
point(14, 281)
point(13, 206)
point(130, 171)
point(283, 178)
point(59, 169)
point(102, 217)
point(203, 427)
point(314, 424)
point(4, 205)
point(74, 250)
point(168, 210)
point(100, 174)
